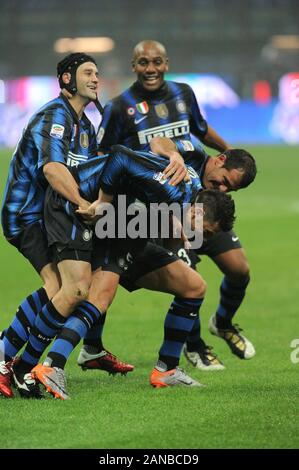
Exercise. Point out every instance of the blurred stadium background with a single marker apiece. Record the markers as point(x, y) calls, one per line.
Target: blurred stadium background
point(240, 57)
point(242, 60)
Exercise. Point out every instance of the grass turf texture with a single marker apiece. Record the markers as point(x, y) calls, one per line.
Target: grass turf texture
point(252, 404)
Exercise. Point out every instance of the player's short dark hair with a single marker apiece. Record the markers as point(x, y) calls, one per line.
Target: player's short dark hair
point(242, 161)
point(218, 208)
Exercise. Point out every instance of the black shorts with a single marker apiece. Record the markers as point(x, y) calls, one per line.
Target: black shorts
point(152, 258)
point(33, 244)
point(219, 243)
point(115, 255)
point(68, 236)
point(156, 256)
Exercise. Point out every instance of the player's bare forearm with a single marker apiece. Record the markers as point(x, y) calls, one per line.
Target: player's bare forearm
point(163, 146)
point(176, 168)
point(63, 182)
point(213, 140)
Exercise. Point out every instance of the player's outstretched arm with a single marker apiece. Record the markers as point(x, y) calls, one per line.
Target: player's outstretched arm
point(63, 182)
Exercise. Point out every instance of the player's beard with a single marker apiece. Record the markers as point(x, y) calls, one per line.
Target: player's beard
point(87, 93)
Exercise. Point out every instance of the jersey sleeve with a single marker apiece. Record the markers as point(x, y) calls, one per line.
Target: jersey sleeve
point(111, 127)
point(198, 125)
point(52, 135)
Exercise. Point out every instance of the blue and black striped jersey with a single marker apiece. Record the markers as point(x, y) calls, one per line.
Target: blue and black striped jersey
point(137, 174)
point(53, 134)
point(136, 116)
point(88, 176)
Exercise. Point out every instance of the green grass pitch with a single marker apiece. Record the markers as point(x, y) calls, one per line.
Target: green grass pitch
point(252, 404)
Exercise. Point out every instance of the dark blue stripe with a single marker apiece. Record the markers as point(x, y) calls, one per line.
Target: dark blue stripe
point(171, 348)
point(178, 323)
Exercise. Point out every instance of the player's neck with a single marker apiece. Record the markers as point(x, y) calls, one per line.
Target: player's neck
point(78, 104)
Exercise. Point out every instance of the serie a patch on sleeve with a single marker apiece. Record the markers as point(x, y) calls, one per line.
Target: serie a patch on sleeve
point(187, 145)
point(57, 131)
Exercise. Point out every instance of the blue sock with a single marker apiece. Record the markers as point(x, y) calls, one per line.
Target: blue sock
point(93, 338)
point(75, 328)
point(178, 323)
point(232, 294)
point(17, 334)
point(47, 324)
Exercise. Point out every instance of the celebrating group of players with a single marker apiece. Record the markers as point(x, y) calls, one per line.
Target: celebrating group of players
point(147, 148)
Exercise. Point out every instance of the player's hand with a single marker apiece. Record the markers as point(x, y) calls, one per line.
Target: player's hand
point(176, 170)
point(88, 212)
point(83, 204)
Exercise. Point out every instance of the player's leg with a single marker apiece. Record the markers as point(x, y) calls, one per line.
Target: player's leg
point(75, 277)
point(232, 292)
point(188, 287)
point(102, 291)
point(196, 351)
point(93, 355)
point(161, 270)
point(154, 258)
point(226, 251)
point(51, 373)
point(32, 244)
point(17, 334)
point(113, 258)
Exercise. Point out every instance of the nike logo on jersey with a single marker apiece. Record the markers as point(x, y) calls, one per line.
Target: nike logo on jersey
point(137, 121)
point(235, 239)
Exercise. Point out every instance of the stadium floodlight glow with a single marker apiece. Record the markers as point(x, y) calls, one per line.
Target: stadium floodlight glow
point(286, 41)
point(97, 45)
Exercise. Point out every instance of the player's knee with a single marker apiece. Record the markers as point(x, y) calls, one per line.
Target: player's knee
point(77, 292)
point(197, 288)
point(239, 272)
point(81, 290)
point(201, 289)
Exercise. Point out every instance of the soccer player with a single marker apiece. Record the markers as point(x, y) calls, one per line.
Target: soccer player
point(135, 174)
point(155, 107)
point(58, 136)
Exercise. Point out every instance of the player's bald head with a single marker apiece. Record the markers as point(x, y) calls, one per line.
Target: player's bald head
point(144, 46)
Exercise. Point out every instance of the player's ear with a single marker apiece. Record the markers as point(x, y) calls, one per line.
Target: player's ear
point(66, 77)
point(166, 64)
point(220, 160)
point(133, 65)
